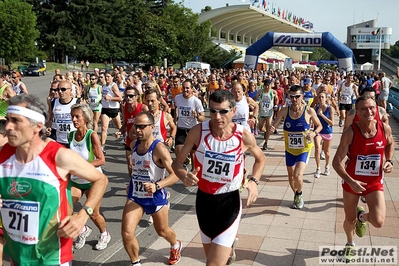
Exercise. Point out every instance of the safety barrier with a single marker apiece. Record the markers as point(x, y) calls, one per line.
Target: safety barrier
point(393, 105)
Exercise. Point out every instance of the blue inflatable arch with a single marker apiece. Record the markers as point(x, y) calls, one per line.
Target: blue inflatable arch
point(325, 39)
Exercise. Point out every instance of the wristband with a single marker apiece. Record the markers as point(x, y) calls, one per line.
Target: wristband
point(390, 161)
point(256, 181)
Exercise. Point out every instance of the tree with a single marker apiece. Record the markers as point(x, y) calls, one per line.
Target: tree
point(18, 30)
point(393, 51)
point(319, 53)
point(206, 9)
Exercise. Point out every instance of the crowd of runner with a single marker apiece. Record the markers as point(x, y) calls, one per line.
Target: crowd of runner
point(163, 110)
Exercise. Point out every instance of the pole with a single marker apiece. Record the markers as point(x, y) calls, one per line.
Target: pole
point(379, 53)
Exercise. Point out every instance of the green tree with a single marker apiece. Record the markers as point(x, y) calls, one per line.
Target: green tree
point(393, 51)
point(18, 30)
point(206, 9)
point(319, 53)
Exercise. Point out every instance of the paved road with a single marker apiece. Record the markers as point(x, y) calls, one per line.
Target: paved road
point(114, 199)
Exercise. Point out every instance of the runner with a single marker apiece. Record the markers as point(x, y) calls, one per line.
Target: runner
point(146, 190)
point(346, 91)
point(6, 92)
point(365, 143)
point(93, 98)
point(130, 111)
point(61, 113)
point(35, 194)
point(86, 142)
point(218, 203)
point(322, 141)
point(298, 139)
point(17, 85)
point(110, 107)
point(267, 100)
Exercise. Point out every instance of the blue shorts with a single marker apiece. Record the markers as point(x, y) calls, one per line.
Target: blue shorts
point(149, 205)
point(291, 160)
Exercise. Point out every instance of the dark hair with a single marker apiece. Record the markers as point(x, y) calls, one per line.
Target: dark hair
point(136, 91)
point(189, 81)
point(3, 131)
point(295, 88)
point(220, 96)
point(151, 91)
point(369, 89)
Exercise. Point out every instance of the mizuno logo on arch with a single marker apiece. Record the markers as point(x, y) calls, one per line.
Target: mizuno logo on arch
point(288, 39)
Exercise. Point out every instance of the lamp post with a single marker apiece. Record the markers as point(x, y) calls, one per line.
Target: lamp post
point(74, 55)
point(54, 50)
point(37, 59)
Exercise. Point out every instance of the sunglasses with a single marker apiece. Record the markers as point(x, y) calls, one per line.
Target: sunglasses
point(101, 77)
point(92, 79)
point(53, 90)
point(130, 95)
point(141, 126)
point(14, 77)
point(296, 96)
point(222, 112)
point(148, 87)
point(62, 89)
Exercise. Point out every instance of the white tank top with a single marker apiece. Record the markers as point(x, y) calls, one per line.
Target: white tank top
point(221, 162)
point(242, 113)
point(346, 94)
point(107, 90)
point(144, 169)
point(16, 88)
point(63, 120)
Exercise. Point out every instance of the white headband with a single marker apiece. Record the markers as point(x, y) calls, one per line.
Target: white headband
point(28, 113)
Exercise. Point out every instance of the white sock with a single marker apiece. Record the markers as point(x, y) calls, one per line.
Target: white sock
point(176, 246)
point(105, 233)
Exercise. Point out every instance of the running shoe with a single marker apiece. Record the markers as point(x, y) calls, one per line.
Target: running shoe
point(175, 254)
point(322, 155)
point(349, 251)
point(340, 123)
point(256, 133)
point(299, 202)
point(81, 239)
point(150, 220)
point(360, 227)
point(232, 257)
point(317, 173)
point(264, 146)
point(103, 149)
point(275, 131)
point(103, 241)
point(327, 170)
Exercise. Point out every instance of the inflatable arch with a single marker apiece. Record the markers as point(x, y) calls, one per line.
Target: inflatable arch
point(325, 39)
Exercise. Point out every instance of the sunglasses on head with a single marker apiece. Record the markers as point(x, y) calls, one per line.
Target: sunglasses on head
point(296, 96)
point(130, 95)
point(222, 112)
point(141, 126)
point(62, 89)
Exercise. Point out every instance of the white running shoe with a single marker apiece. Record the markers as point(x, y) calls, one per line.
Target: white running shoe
point(103, 241)
point(322, 155)
point(327, 170)
point(81, 239)
point(317, 173)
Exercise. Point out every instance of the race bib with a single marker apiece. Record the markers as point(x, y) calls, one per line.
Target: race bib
point(239, 121)
point(345, 98)
point(138, 187)
point(185, 111)
point(21, 220)
point(296, 141)
point(368, 165)
point(266, 105)
point(218, 167)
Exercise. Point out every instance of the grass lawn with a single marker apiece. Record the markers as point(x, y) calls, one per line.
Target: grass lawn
point(51, 66)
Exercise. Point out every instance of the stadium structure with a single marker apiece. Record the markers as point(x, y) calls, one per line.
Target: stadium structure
point(238, 26)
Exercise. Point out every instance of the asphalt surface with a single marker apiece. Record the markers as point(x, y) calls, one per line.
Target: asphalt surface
point(114, 199)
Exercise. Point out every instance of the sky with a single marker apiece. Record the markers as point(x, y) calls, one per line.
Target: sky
point(326, 15)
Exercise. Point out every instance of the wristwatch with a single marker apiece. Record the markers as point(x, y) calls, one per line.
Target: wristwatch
point(390, 161)
point(157, 187)
point(88, 210)
point(256, 181)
